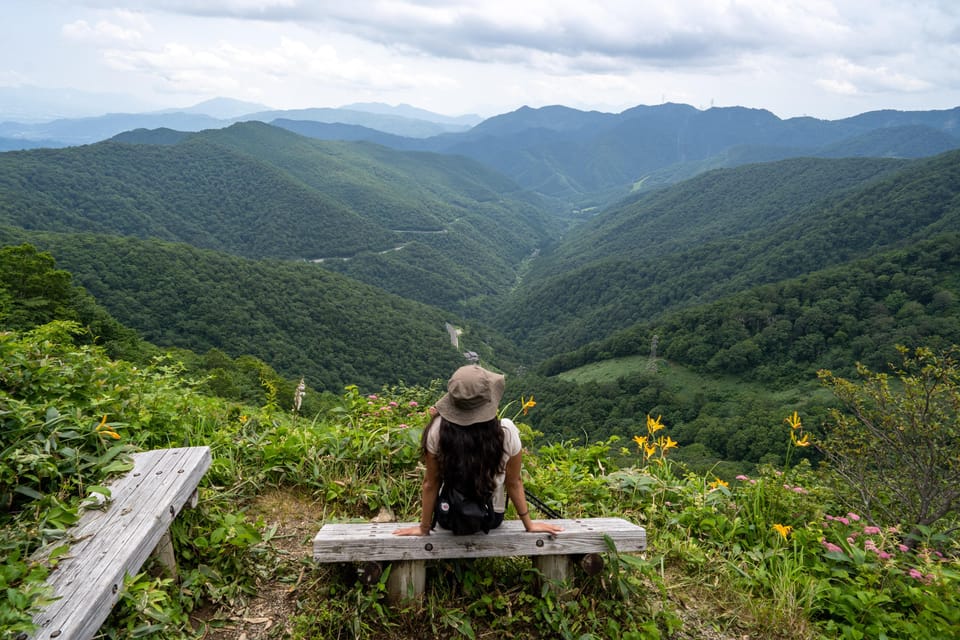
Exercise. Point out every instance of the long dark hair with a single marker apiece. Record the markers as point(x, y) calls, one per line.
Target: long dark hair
point(470, 456)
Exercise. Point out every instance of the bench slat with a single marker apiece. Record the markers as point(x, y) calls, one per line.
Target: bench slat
point(375, 541)
point(109, 543)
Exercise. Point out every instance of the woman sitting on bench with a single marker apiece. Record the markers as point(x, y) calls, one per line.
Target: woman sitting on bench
point(468, 449)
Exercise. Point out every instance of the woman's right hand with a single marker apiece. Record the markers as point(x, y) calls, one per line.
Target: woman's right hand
point(411, 531)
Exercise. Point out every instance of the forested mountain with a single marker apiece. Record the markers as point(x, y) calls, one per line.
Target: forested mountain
point(581, 159)
point(784, 332)
point(300, 319)
point(619, 276)
point(436, 229)
point(593, 158)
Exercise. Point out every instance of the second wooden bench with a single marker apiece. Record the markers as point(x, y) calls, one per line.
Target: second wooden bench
point(110, 543)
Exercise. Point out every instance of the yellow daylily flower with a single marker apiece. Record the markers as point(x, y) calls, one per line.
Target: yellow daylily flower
point(649, 449)
point(783, 529)
point(653, 425)
point(717, 483)
point(794, 421)
point(529, 404)
point(802, 442)
point(667, 443)
point(640, 440)
point(103, 429)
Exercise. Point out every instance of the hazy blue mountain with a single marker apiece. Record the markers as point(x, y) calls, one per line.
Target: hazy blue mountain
point(20, 144)
point(589, 158)
point(389, 123)
point(414, 113)
point(574, 155)
point(340, 131)
point(27, 103)
point(75, 131)
point(222, 108)
point(216, 114)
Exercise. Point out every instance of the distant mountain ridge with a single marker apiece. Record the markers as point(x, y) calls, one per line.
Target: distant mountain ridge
point(220, 113)
point(590, 158)
point(579, 159)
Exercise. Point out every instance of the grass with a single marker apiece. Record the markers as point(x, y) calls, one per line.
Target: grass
point(744, 558)
point(684, 383)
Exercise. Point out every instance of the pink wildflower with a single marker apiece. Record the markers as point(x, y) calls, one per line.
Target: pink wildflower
point(903, 548)
point(403, 425)
point(851, 540)
point(871, 531)
point(414, 403)
point(883, 555)
point(800, 490)
point(853, 516)
point(742, 478)
point(393, 404)
point(914, 573)
point(831, 547)
point(372, 396)
point(843, 520)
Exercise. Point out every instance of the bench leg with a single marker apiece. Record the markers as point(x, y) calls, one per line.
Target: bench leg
point(407, 580)
point(164, 553)
point(553, 568)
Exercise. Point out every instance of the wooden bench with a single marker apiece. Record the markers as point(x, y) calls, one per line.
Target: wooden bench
point(115, 540)
point(372, 543)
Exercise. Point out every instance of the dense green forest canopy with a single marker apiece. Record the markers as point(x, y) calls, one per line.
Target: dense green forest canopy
point(301, 319)
point(721, 296)
point(258, 191)
point(609, 290)
point(722, 371)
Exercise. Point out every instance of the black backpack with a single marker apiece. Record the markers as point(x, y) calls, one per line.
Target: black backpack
point(460, 514)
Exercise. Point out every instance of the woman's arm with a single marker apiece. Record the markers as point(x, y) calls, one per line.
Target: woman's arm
point(429, 491)
point(514, 487)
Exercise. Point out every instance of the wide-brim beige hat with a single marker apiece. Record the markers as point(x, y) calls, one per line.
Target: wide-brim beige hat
point(473, 395)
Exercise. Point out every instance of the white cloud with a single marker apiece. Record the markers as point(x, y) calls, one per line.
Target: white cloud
point(812, 56)
point(849, 78)
point(101, 32)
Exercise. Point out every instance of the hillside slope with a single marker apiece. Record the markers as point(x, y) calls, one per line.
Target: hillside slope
point(299, 318)
point(262, 192)
point(608, 290)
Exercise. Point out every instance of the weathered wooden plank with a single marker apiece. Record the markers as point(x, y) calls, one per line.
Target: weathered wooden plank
point(375, 541)
point(109, 543)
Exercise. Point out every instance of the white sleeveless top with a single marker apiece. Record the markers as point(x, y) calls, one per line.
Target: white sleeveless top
point(511, 447)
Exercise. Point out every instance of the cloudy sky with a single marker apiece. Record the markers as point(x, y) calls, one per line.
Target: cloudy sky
point(824, 58)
